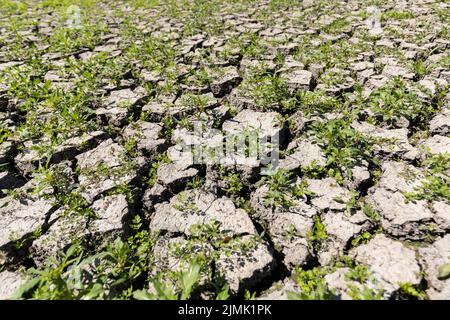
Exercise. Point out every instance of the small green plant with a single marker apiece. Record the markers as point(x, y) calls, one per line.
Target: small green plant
point(344, 146)
point(397, 15)
point(301, 190)
point(395, 100)
point(317, 234)
point(130, 146)
point(267, 91)
point(185, 204)
point(313, 102)
point(370, 212)
point(336, 25)
point(4, 134)
point(123, 189)
point(152, 176)
point(362, 239)
point(420, 68)
point(408, 291)
point(78, 274)
point(234, 186)
point(436, 184)
point(290, 233)
point(358, 273)
point(432, 188)
point(279, 188)
point(185, 285)
point(312, 285)
point(364, 293)
point(366, 287)
point(249, 296)
point(210, 233)
point(50, 283)
point(196, 183)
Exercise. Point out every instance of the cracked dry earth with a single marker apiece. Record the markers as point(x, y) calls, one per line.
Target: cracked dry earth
point(96, 100)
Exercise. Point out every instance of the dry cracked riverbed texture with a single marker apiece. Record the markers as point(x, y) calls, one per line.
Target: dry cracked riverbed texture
point(96, 99)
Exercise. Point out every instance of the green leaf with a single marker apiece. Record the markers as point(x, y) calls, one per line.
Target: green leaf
point(142, 295)
point(164, 292)
point(95, 292)
point(72, 251)
point(25, 288)
point(293, 295)
point(224, 293)
point(249, 296)
point(189, 278)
